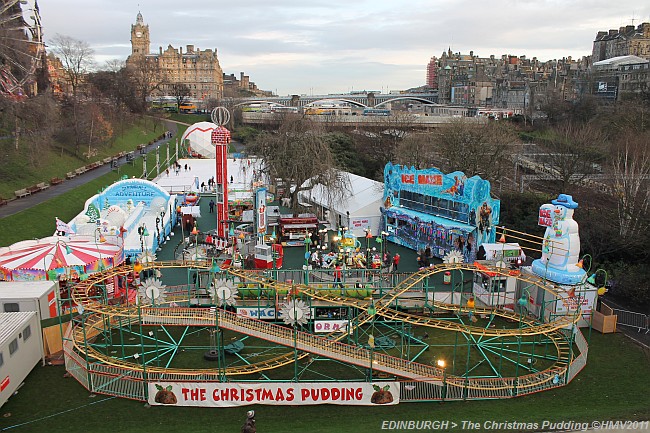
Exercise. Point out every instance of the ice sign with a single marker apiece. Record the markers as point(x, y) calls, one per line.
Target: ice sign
point(545, 215)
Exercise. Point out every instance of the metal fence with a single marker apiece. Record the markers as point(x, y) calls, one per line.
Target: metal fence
point(638, 321)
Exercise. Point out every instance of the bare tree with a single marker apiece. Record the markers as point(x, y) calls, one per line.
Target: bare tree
point(76, 57)
point(475, 149)
point(574, 152)
point(146, 76)
point(299, 156)
point(631, 184)
point(181, 93)
point(417, 150)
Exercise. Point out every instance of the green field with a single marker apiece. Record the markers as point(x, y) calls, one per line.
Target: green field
point(613, 386)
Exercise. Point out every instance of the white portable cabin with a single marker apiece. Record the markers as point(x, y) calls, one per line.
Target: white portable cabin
point(21, 347)
point(494, 289)
point(39, 296)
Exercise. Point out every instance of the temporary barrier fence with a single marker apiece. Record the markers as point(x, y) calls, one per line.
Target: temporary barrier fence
point(638, 321)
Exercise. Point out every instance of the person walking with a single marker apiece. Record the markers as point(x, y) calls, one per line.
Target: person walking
point(337, 276)
point(211, 206)
point(396, 259)
point(388, 261)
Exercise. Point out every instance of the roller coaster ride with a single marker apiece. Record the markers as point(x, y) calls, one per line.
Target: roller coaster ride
point(437, 350)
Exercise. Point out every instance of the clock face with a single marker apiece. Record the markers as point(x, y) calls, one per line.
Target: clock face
point(138, 34)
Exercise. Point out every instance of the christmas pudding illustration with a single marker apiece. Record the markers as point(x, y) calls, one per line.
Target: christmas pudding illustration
point(165, 395)
point(381, 395)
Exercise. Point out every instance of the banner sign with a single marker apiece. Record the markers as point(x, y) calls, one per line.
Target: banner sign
point(360, 223)
point(545, 218)
point(257, 313)
point(241, 394)
point(264, 313)
point(260, 207)
point(327, 326)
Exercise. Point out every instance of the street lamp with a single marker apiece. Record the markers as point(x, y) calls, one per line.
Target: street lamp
point(380, 240)
point(594, 280)
point(231, 233)
point(372, 311)
point(307, 254)
point(442, 364)
point(322, 237)
point(101, 240)
point(143, 232)
point(368, 237)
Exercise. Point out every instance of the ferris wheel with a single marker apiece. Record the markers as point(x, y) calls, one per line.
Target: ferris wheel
point(21, 45)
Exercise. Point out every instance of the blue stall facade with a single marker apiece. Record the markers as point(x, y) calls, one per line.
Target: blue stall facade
point(124, 209)
point(443, 212)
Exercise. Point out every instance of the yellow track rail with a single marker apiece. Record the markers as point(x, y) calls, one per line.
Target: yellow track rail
point(108, 316)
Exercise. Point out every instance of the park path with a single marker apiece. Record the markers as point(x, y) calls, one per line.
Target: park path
point(21, 204)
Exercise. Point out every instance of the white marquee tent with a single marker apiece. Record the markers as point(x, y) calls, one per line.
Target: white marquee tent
point(358, 209)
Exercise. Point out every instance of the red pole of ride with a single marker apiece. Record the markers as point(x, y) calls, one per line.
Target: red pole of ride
point(221, 138)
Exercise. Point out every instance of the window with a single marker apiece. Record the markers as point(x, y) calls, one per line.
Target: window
point(27, 332)
point(13, 346)
point(11, 307)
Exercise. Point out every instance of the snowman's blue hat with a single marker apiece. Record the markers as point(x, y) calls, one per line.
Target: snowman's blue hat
point(565, 200)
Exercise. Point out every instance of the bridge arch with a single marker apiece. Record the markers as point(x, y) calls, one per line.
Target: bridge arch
point(405, 98)
point(349, 101)
point(259, 101)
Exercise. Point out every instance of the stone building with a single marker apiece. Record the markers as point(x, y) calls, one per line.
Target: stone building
point(626, 41)
point(198, 70)
point(242, 87)
point(617, 77)
point(513, 82)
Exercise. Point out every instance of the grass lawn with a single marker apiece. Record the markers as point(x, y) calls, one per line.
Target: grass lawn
point(612, 386)
point(18, 172)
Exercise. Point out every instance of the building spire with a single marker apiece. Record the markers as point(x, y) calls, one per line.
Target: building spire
point(139, 19)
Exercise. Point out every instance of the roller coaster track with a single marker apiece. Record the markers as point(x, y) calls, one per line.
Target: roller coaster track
point(383, 309)
point(107, 315)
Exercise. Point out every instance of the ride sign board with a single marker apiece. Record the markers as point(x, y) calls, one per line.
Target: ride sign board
point(568, 301)
point(261, 313)
point(360, 223)
point(327, 326)
point(545, 215)
point(260, 208)
point(286, 394)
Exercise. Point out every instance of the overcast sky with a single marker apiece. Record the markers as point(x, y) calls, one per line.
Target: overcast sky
point(328, 46)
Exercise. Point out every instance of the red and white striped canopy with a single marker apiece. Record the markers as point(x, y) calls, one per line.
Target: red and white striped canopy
point(51, 253)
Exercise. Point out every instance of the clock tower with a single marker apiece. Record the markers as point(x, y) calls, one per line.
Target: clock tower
point(139, 37)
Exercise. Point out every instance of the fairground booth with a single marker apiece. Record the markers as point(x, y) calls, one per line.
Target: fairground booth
point(444, 212)
point(58, 258)
point(137, 210)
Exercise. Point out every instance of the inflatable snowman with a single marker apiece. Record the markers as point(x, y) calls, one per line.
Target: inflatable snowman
point(561, 245)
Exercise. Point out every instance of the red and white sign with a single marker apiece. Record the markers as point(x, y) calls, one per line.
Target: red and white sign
point(546, 215)
point(242, 394)
point(568, 302)
point(357, 223)
point(327, 326)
